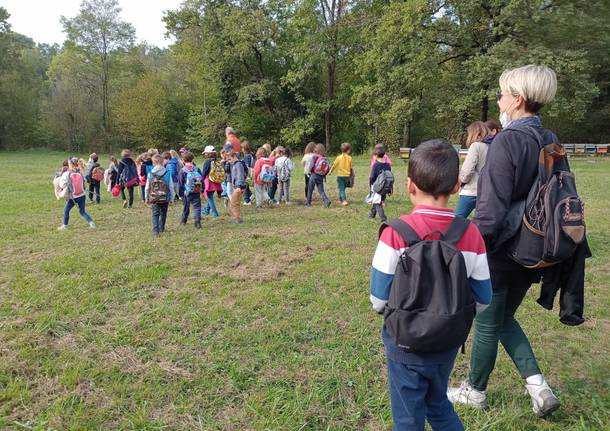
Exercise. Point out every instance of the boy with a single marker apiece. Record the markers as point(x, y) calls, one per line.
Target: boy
point(192, 180)
point(418, 379)
point(319, 167)
point(159, 193)
point(284, 168)
point(343, 164)
point(379, 165)
point(238, 181)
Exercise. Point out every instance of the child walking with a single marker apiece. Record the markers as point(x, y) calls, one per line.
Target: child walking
point(261, 188)
point(127, 176)
point(343, 165)
point(72, 184)
point(159, 192)
point(213, 177)
point(249, 160)
point(191, 178)
point(418, 370)
point(380, 187)
point(319, 167)
point(91, 174)
point(306, 163)
point(284, 167)
point(238, 180)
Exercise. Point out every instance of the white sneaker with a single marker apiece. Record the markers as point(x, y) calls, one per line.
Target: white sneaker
point(92, 225)
point(62, 227)
point(468, 395)
point(544, 402)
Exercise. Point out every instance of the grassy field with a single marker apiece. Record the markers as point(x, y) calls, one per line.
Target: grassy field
point(259, 326)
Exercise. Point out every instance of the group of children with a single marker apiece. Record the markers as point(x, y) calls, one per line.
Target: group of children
point(229, 175)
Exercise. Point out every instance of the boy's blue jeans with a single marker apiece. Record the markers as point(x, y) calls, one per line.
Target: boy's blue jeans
point(159, 216)
point(465, 205)
point(419, 392)
point(70, 203)
point(210, 206)
point(195, 200)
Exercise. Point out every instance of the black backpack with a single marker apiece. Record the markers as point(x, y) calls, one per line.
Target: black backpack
point(553, 223)
point(384, 184)
point(431, 307)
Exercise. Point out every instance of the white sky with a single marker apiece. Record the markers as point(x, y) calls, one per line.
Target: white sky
point(39, 19)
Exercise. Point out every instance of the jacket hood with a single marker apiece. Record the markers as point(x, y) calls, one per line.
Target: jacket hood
point(159, 170)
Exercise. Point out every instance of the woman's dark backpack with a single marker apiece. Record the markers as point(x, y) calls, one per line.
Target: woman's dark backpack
point(553, 223)
point(431, 307)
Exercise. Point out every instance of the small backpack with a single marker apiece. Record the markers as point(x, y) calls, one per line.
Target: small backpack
point(97, 174)
point(553, 224)
point(194, 180)
point(321, 166)
point(158, 192)
point(430, 308)
point(283, 171)
point(217, 172)
point(384, 184)
point(268, 173)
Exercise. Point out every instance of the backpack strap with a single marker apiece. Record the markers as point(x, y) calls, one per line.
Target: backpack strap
point(405, 231)
point(456, 230)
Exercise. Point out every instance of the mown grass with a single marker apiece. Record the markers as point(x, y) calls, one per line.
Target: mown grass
point(265, 325)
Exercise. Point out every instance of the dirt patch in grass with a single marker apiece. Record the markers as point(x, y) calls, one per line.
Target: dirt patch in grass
point(262, 268)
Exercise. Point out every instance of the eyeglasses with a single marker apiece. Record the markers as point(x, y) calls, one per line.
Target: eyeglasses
point(499, 95)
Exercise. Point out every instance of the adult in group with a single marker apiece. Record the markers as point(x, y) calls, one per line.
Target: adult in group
point(128, 176)
point(508, 176)
point(231, 138)
point(478, 141)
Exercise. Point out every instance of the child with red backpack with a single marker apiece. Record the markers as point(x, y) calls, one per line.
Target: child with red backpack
point(427, 312)
point(191, 178)
point(72, 184)
point(319, 167)
point(159, 193)
point(94, 175)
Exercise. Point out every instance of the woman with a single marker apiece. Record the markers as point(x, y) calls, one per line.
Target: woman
point(508, 176)
point(73, 182)
point(472, 166)
point(128, 176)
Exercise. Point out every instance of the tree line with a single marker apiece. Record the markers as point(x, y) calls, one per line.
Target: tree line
point(292, 71)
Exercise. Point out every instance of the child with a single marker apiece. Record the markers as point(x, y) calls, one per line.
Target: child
point(72, 184)
point(378, 196)
point(238, 179)
point(249, 160)
point(343, 164)
point(227, 185)
point(261, 188)
point(127, 176)
point(59, 193)
point(94, 184)
point(146, 166)
point(418, 377)
point(171, 164)
point(273, 187)
point(306, 163)
point(159, 193)
point(113, 172)
point(284, 168)
point(191, 178)
point(472, 166)
point(386, 158)
point(319, 167)
point(213, 168)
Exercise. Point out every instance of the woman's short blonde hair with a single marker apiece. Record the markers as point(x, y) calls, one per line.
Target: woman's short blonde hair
point(537, 84)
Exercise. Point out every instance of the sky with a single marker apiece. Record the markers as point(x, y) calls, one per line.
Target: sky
point(39, 19)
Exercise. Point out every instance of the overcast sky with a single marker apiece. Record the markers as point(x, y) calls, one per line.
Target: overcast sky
point(39, 19)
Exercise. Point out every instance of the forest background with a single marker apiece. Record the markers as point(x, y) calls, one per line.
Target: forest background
point(291, 71)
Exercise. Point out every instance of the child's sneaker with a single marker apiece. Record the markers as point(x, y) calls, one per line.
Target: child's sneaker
point(278, 203)
point(197, 225)
point(92, 225)
point(327, 204)
point(468, 395)
point(248, 203)
point(63, 227)
point(124, 204)
point(544, 402)
point(345, 203)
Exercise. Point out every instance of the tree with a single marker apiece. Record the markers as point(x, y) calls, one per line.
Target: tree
point(98, 32)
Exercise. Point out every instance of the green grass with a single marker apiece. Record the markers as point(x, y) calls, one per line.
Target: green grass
point(265, 325)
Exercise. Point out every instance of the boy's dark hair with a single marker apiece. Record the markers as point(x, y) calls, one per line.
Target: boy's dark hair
point(379, 150)
point(492, 125)
point(188, 158)
point(166, 155)
point(94, 157)
point(434, 166)
point(288, 152)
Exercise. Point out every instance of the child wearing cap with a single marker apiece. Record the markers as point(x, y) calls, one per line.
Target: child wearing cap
point(209, 186)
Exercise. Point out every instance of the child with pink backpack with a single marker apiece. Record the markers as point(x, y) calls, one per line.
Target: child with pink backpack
point(319, 167)
point(72, 185)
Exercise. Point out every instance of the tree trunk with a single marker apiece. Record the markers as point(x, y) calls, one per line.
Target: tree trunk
point(484, 107)
point(330, 95)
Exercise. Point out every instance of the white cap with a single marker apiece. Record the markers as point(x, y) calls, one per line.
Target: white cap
point(209, 149)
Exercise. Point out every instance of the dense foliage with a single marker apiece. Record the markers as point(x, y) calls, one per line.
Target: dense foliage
point(291, 71)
